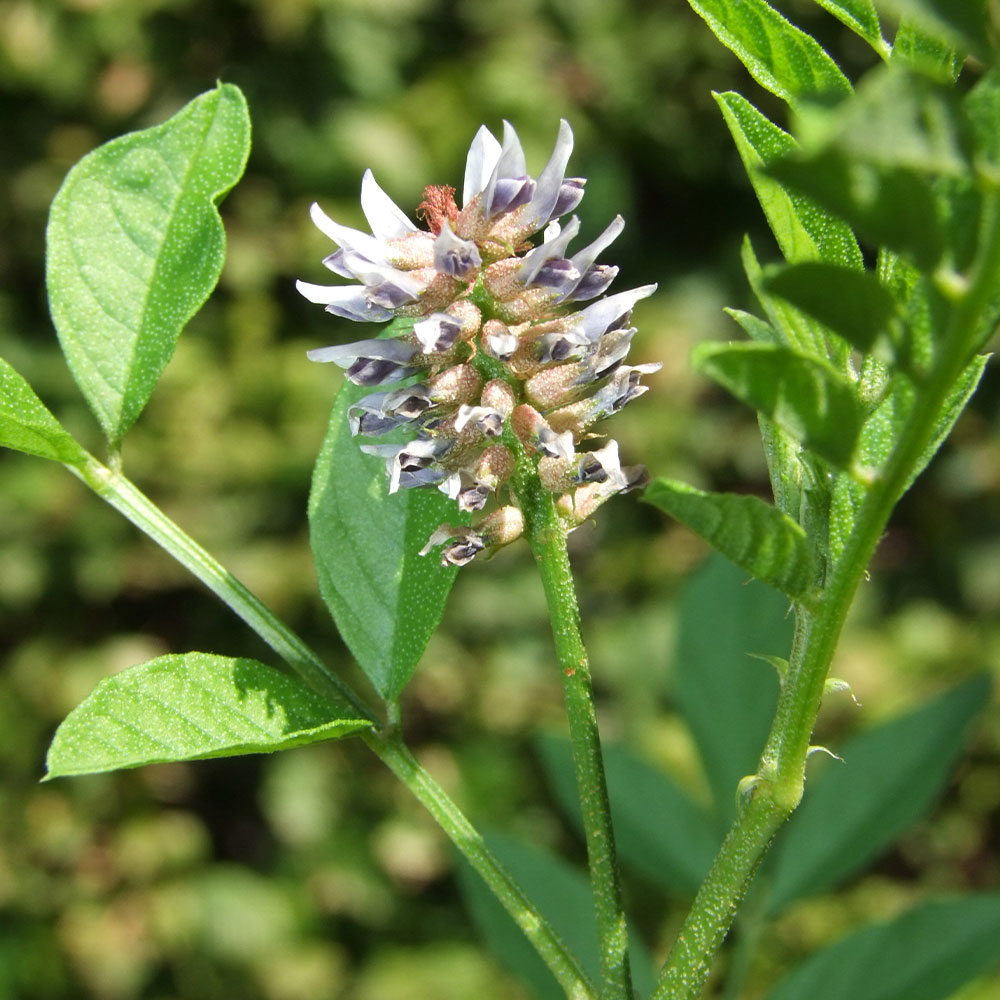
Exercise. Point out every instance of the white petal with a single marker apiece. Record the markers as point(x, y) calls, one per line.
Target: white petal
point(551, 178)
point(385, 217)
point(344, 236)
point(596, 318)
point(585, 257)
point(483, 155)
point(325, 294)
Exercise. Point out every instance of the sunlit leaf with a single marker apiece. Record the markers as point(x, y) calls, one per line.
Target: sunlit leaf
point(804, 231)
point(926, 954)
point(659, 831)
point(385, 597)
point(779, 56)
point(188, 707)
point(851, 303)
point(759, 538)
point(803, 394)
point(135, 245)
point(857, 807)
point(861, 17)
point(727, 696)
point(27, 425)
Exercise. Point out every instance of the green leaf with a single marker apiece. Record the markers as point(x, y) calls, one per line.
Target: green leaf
point(563, 898)
point(854, 810)
point(804, 395)
point(726, 696)
point(27, 425)
point(925, 52)
point(804, 231)
point(878, 437)
point(769, 545)
point(136, 245)
point(960, 22)
point(851, 303)
point(188, 707)
point(861, 17)
point(779, 56)
point(659, 831)
point(926, 954)
point(385, 598)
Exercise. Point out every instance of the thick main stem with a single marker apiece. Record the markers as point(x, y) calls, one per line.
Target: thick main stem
point(547, 535)
point(121, 494)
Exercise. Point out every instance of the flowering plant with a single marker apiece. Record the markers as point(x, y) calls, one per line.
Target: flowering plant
point(502, 356)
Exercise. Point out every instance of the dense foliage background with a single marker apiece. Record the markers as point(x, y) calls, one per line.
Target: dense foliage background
point(310, 874)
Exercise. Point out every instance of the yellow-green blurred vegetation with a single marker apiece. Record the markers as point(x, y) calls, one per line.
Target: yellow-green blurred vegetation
point(310, 875)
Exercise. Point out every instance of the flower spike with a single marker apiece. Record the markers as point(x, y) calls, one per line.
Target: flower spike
point(507, 380)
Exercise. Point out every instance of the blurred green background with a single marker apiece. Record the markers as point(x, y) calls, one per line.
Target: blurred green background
point(310, 874)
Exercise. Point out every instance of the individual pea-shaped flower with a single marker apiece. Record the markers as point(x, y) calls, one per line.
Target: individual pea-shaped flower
point(500, 373)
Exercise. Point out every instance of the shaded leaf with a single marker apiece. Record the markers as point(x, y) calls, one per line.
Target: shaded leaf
point(188, 707)
point(726, 696)
point(27, 425)
point(878, 436)
point(926, 954)
point(659, 831)
point(888, 206)
point(861, 17)
point(779, 56)
point(804, 231)
point(759, 538)
point(852, 303)
point(563, 898)
point(925, 52)
point(135, 245)
point(856, 808)
point(961, 22)
point(385, 598)
point(804, 395)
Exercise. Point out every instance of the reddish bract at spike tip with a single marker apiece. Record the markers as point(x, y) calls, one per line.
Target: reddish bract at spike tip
point(438, 204)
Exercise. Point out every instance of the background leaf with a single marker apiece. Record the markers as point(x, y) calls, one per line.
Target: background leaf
point(27, 425)
point(135, 245)
point(756, 536)
point(563, 897)
point(660, 831)
point(889, 777)
point(779, 56)
point(188, 707)
point(726, 695)
point(804, 395)
point(385, 598)
point(962, 22)
point(926, 954)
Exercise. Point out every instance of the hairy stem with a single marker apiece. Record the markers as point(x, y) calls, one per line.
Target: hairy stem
point(772, 794)
point(386, 743)
point(547, 535)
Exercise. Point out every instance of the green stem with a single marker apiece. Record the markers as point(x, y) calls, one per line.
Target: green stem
point(547, 535)
point(120, 493)
point(469, 841)
point(386, 743)
point(773, 793)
